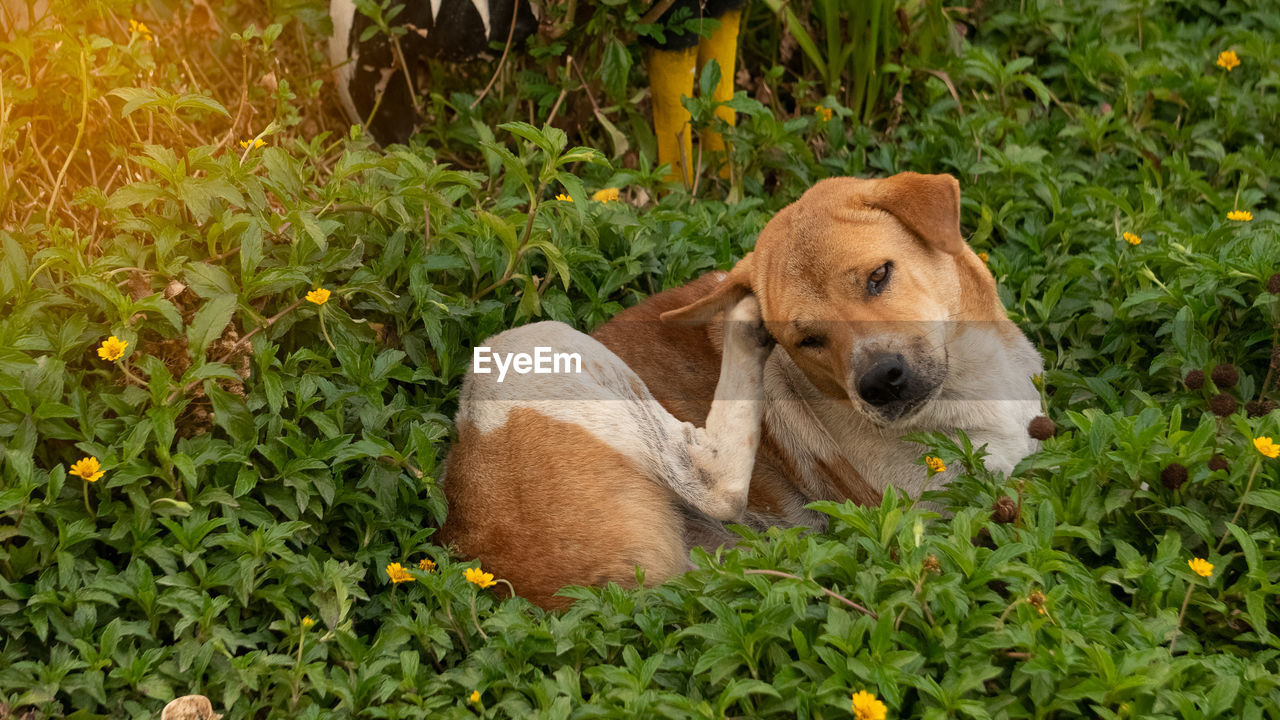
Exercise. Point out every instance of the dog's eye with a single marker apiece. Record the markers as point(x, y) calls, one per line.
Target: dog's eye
point(878, 280)
point(813, 341)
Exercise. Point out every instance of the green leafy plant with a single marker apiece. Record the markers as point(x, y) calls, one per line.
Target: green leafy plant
point(293, 310)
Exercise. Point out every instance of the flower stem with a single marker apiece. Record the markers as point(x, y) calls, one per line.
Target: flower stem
point(87, 507)
point(1240, 508)
point(297, 672)
point(475, 618)
point(828, 593)
point(1181, 614)
point(125, 370)
point(325, 332)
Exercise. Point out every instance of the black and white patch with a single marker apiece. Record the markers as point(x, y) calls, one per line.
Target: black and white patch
point(372, 85)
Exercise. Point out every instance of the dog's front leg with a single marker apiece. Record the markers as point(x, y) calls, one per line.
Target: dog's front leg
point(724, 453)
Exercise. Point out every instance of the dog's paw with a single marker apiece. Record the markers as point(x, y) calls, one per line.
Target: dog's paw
point(745, 324)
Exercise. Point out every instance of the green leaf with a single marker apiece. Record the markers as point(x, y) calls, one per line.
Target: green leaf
point(208, 324)
point(230, 413)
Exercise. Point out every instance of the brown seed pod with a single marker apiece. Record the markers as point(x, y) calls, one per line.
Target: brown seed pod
point(1041, 428)
point(1258, 408)
point(1005, 510)
point(1273, 284)
point(932, 565)
point(1194, 379)
point(1223, 404)
point(1225, 376)
point(1218, 462)
point(1173, 475)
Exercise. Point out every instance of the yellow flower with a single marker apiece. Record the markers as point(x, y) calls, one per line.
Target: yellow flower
point(867, 707)
point(564, 197)
point(935, 464)
point(475, 696)
point(256, 143)
point(141, 29)
point(426, 565)
point(398, 574)
point(1267, 447)
point(318, 296)
point(1201, 567)
point(1132, 239)
point(824, 112)
point(1241, 215)
point(985, 258)
point(1227, 59)
point(606, 195)
point(112, 349)
point(307, 622)
point(88, 468)
point(479, 577)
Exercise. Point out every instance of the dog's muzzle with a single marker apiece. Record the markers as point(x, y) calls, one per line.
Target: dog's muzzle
point(891, 386)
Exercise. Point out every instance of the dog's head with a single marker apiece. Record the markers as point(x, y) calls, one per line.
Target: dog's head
point(864, 283)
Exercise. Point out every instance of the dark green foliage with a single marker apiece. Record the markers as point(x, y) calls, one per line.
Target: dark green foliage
point(251, 483)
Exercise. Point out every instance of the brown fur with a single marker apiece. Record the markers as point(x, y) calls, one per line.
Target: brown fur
point(527, 509)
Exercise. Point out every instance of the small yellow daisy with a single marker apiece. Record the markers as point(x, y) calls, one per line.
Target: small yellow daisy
point(479, 577)
point(256, 143)
point(1132, 239)
point(426, 565)
point(1267, 447)
point(867, 707)
point(475, 696)
point(319, 296)
point(307, 622)
point(112, 349)
point(935, 464)
point(1240, 215)
point(606, 195)
point(985, 258)
point(1201, 567)
point(88, 468)
point(1228, 59)
point(564, 197)
point(398, 574)
point(824, 112)
point(141, 29)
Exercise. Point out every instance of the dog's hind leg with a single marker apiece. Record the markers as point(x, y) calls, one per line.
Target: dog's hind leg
point(710, 468)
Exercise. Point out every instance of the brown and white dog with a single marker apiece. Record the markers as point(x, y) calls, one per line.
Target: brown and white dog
point(682, 414)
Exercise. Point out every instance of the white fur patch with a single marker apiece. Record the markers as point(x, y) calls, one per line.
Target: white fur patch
point(342, 56)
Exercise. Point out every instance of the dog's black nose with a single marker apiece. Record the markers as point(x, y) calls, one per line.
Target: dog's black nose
point(886, 381)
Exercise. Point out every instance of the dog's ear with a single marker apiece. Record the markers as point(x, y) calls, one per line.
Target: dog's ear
point(731, 289)
point(929, 205)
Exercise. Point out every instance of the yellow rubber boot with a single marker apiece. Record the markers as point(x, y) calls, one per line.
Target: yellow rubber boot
point(722, 47)
point(671, 78)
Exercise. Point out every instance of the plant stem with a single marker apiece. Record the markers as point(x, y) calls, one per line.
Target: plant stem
point(84, 116)
point(125, 370)
point(511, 33)
point(841, 598)
point(475, 618)
point(1240, 508)
point(87, 507)
point(325, 332)
point(1181, 614)
point(234, 348)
